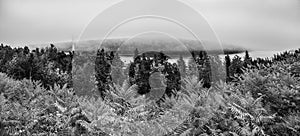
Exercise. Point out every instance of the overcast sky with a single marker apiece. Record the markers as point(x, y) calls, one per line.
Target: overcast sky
point(257, 24)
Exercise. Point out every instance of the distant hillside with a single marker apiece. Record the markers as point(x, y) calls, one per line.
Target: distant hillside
point(127, 46)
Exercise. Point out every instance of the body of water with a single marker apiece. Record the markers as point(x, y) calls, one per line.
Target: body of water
point(253, 54)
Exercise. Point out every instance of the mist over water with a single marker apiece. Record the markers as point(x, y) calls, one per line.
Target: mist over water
point(261, 25)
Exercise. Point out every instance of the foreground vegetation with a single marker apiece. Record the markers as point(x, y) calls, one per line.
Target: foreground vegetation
point(255, 101)
point(262, 103)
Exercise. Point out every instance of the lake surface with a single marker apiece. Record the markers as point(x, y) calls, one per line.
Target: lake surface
point(253, 54)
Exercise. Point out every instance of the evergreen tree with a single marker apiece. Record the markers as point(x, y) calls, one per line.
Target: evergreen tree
point(247, 56)
point(131, 73)
point(52, 52)
point(102, 72)
point(218, 69)
point(135, 54)
point(117, 72)
point(181, 66)
point(236, 66)
point(227, 65)
point(247, 60)
point(84, 79)
point(205, 73)
point(192, 67)
point(26, 50)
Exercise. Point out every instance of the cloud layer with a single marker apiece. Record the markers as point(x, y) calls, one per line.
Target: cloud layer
point(256, 24)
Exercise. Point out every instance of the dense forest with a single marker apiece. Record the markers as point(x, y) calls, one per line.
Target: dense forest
point(51, 92)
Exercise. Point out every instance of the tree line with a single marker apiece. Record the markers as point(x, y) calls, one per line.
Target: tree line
point(51, 66)
point(47, 65)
